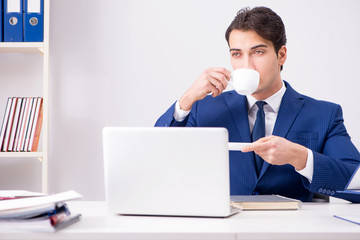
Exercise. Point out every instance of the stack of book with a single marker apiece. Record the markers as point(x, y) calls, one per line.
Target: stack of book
point(21, 126)
point(39, 213)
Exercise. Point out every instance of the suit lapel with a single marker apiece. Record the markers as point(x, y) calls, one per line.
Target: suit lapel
point(238, 107)
point(291, 104)
point(289, 109)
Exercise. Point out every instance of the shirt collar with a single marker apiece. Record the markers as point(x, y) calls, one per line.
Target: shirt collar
point(273, 101)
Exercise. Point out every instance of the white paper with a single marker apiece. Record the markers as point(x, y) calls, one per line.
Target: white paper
point(33, 6)
point(236, 146)
point(38, 201)
point(355, 181)
point(13, 5)
point(19, 193)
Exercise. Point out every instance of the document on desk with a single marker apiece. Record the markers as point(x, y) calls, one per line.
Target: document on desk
point(15, 204)
point(14, 194)
point(38, 213)
point(352, 219)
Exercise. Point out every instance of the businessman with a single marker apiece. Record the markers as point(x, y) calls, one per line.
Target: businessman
point(300, 145)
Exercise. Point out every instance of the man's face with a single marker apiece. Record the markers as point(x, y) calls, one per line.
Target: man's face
point(249, 50)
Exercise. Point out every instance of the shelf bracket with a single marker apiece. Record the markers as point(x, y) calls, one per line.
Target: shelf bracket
point(41, 50)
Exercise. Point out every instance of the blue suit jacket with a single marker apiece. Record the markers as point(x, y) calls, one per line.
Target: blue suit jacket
point(317, 125)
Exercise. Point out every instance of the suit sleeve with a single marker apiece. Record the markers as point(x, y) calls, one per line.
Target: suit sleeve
point(334, 167)
point(168, 120)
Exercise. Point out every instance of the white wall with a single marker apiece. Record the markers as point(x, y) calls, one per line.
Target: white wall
point(122, 63)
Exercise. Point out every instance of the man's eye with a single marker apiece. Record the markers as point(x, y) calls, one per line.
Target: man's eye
point(235, 54)
point(258, 52)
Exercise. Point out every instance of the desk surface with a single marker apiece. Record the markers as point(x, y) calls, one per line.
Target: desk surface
point(312, 221)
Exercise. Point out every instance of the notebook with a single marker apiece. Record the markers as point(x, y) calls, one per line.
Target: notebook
point(264, 202)
point(167, 171)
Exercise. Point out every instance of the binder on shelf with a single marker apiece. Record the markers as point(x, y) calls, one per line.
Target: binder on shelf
point(5, 122)
point(23, 122)
point(35, 132)
point(20, 131)
point(34, 20)
point(21, 117)
point(30, 125)
point(15, 124)
point(13, 21)
point(27, 121)
point(10, 124)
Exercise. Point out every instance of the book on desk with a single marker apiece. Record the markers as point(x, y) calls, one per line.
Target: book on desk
point(264, 202)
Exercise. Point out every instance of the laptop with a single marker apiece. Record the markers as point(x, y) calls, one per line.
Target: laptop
point(167, 171)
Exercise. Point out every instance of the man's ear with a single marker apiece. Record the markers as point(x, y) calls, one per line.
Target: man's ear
point(282, 55)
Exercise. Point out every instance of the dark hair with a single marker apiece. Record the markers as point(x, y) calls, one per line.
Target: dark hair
point(264, 21)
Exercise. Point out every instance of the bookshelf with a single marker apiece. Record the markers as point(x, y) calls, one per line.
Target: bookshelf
point(43, 49)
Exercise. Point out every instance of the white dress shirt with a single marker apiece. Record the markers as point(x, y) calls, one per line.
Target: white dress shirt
point(271, 110)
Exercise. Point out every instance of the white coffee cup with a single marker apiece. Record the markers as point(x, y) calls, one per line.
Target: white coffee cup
point(245, 81)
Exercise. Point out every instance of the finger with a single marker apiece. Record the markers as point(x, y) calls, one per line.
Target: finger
point(248, 148)
point(216, 83)
point(260, 145)
point(221, 77)
point(228, 74)
point(267, 138)
point(212, 89)
point(264, 139)
point(224, 71)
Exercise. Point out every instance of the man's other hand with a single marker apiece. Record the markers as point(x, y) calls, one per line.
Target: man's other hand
point(212, 80)
point(279, 151)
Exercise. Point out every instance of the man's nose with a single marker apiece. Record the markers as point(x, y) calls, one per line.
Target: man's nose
point(247, 63)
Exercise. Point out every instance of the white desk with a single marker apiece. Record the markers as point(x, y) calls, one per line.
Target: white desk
point(312, 221)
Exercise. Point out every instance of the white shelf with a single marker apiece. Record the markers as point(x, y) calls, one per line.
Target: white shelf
point(21, 154)
point(43, 49)
point(21, 47)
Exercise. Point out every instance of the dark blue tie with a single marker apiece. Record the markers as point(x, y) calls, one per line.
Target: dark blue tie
point(259, 132)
